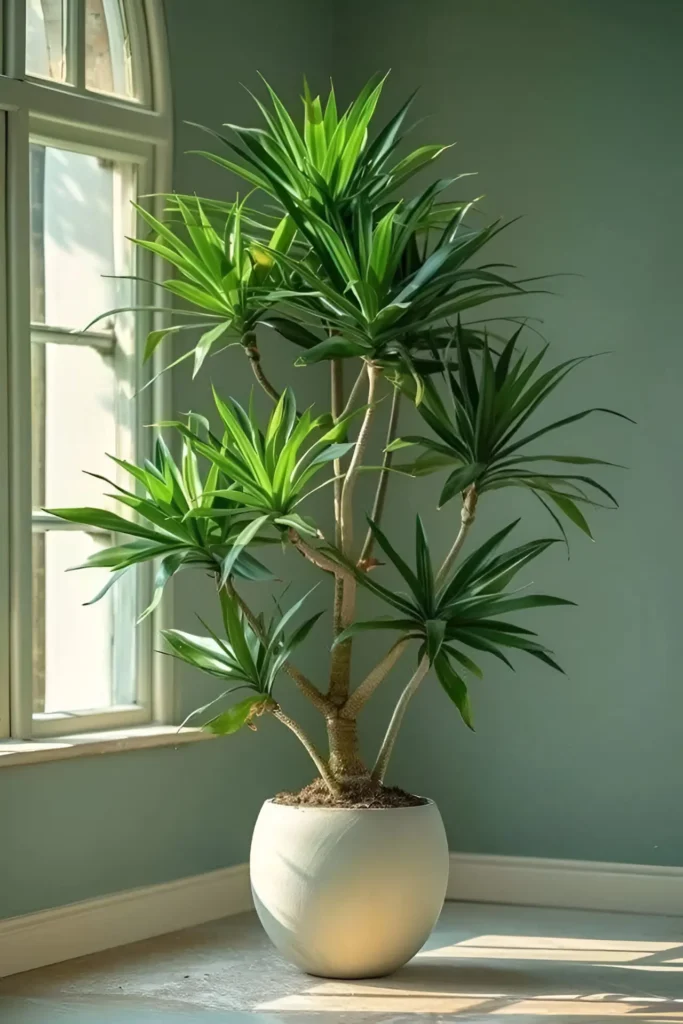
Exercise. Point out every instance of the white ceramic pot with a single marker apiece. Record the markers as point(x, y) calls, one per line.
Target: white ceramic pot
point(347, 893)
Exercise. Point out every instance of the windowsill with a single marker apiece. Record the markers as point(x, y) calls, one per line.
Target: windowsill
point(111, 741)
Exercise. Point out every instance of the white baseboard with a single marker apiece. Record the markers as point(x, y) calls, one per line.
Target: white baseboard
point(51, 936)
point(578, 884)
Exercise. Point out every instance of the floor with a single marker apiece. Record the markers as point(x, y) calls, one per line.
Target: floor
point(483, 962)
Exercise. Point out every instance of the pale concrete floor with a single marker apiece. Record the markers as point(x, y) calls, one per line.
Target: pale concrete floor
point(483, 962)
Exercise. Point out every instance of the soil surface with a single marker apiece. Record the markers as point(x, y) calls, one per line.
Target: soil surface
point(362, 794)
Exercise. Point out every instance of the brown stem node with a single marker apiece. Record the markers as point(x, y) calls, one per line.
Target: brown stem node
point(252, 350)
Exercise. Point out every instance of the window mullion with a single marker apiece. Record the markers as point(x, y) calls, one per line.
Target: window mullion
point(18, 265)
point(75, 44)
point(14, 42)
point(103, 341)
point(162, 669)
point(5, 593)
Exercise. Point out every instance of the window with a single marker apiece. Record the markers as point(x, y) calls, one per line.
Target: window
point(46, 39)
point(85, 115)
point(108, 61)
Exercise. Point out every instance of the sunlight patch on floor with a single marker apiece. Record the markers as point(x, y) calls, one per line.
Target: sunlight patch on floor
point(537, 947)
point(374, 998)
point(331, 997)
point(587, 1008)
point(452, 994)
point(564, 942)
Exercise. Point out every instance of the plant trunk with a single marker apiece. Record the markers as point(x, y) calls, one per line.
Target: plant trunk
point(345, 762)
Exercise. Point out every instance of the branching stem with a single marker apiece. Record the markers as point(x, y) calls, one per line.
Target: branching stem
point(379, 771)
point(374, 373)
point(337, 389)
point(337, 402)
point(318, 699)
point(345, 589)
point(318, 557)
point(372, 680)
point(383, 482)
point(318, 761)
point(353, 396)
point(467, 514)
point(348, 606)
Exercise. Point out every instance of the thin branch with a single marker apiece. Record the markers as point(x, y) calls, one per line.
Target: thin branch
point(337, 388)
point(372, 680)
point(379, 771)
point(307, 688)
point(252, 351)
point(349, 597)
point(374, 373)
point(345, 589)
point(383, 482)
point(467, 514)
point(355, 391)
point(318, 557)
point(337, 401)
point(318, 761)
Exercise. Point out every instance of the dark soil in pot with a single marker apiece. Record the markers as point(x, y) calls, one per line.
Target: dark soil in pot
point(362, 794)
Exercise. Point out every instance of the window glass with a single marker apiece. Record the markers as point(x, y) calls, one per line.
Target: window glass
point(74, 424)
point(74, 663)
point(46, 39)
point(77, 204)
point(84, 657)
point(108, 64)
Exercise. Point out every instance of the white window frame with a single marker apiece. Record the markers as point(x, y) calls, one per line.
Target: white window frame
point(137, 131)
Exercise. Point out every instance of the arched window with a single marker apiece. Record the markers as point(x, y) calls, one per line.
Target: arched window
point(86, 128)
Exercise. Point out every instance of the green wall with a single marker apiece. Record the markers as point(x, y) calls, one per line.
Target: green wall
point(570, 113)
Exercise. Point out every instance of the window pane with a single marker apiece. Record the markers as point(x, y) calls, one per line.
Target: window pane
point(84, 657)
point(79, 212)
point(108, 65)
point(75, 663)
point(77, 667)
point(45, 39)
point(74, 424)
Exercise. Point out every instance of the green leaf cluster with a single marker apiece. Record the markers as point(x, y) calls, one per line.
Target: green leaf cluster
point(163, 527)
point(461, 611)
point(371, 269)
point(251, 658)
point(191, 516)
point(225, 275)
point(480, 435)
point(339, 262)
point(267, 474)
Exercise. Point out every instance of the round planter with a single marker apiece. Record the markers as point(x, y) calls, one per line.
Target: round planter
point(346, 893)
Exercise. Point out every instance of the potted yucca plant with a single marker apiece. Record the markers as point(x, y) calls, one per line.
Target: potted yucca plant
point(337, 253)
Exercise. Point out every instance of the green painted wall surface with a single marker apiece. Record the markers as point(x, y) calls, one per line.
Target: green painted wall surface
point(78, 829)
point(570, 113)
